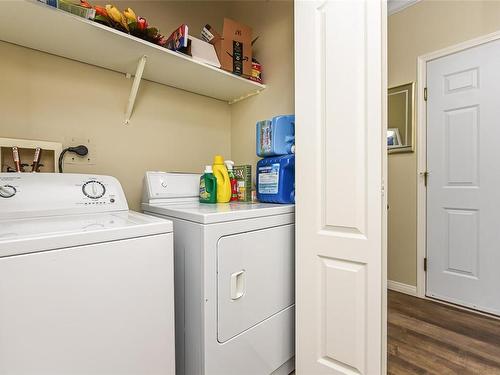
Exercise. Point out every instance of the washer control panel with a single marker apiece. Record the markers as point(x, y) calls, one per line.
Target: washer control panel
point(40, 194)
point(93, 189)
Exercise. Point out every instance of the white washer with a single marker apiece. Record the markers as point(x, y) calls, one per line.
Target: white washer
point(234, 279)
point(86, 286)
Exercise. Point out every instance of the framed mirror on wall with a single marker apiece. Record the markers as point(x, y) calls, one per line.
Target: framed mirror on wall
point(401, 118)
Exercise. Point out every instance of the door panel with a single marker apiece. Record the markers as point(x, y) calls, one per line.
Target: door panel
point(463, 183)
point(462, 242)
point(461, 146)
point(255, 278)
point(345, 283)
point(340, 164)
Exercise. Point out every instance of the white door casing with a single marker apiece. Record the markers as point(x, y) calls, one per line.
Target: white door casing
point(463, 183)
point(340, 134)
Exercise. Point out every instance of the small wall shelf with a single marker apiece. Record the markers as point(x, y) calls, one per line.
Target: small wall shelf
point(35, 25)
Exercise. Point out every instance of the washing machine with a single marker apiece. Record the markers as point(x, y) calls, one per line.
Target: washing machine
point(234, 279)
point(86, 286)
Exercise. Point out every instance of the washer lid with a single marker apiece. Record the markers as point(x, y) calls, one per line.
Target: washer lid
point(206, 213)
point(21, 236)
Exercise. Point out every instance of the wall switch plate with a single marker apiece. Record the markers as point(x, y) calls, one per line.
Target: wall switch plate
point(73, 159)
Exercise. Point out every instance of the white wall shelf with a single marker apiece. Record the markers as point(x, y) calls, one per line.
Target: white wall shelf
point(43, 28)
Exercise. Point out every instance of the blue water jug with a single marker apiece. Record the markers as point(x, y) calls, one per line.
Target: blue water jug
point(276, 136)
point(276, 179)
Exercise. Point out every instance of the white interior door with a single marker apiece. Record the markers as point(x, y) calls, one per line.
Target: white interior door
point(463, 190)
point(339, 95)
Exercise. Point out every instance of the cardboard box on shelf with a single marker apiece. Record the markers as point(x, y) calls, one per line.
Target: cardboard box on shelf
point(233, 47)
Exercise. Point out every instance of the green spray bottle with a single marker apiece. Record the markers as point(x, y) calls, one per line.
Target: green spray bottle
point(208, 186)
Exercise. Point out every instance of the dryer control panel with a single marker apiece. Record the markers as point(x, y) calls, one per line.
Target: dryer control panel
point(46, 194)
point(165, 186)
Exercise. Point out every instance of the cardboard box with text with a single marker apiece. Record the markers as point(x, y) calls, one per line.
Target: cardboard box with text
point(234, 47)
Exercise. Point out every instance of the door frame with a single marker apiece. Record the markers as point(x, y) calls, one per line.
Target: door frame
point(422, 61)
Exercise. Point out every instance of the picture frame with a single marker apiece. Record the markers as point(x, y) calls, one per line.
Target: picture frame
point(401, 116)
point(393, 138)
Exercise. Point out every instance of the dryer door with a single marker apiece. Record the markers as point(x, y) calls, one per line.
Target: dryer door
point(256, 278)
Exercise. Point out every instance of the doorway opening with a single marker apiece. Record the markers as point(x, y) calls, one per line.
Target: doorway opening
point(442, 184)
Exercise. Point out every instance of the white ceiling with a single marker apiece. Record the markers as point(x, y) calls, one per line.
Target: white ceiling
point(394, 6)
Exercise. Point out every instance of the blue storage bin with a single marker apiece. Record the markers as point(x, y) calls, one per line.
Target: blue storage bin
point(276, 179)
point(276, 136)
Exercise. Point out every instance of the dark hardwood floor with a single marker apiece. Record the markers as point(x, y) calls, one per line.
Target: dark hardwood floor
point(425, 337)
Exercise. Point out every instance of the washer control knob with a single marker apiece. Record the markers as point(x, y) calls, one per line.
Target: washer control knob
point(7, 191)
point(93, 189)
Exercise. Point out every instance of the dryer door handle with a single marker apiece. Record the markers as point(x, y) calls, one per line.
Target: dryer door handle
point(237, 285)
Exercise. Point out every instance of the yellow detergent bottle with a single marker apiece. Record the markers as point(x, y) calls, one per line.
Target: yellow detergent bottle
point(223, 181)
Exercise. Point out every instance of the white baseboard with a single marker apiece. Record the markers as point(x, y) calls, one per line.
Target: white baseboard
point(402, 288)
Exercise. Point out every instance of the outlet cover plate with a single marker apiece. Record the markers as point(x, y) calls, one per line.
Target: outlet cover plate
point(74, 159)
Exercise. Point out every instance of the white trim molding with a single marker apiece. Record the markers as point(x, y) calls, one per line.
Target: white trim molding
point(402, 288)
point(422, 147)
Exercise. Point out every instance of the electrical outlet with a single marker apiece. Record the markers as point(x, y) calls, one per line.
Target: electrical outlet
point(74, 159)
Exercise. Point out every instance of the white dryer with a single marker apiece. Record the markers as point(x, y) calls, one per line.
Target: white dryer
point(86, 286)
point(234, 280)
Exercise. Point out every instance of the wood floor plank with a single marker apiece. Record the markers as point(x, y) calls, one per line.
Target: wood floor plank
point(429, 338)
point(468, 363)
point(466, 323)
point(398, 366)
point(474, 346)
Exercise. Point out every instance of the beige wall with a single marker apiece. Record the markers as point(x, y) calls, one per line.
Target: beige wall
point(273, 22)
point(425, 27)
point(50, 98)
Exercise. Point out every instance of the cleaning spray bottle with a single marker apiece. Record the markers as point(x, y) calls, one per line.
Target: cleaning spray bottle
point(208, 186)
point(223, 182)
point(232, 180)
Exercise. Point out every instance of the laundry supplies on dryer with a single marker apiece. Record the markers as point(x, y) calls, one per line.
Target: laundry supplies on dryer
point(208, 186)
point(223, 180)
point(276, 172)
point(232, 180)
point(276, 137)
point(276, 179)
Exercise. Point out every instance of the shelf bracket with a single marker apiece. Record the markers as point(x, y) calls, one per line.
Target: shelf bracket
point(244, 97)
point(135, 88)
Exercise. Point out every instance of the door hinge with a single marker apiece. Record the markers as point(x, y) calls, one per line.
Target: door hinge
point(425, 93)
point(425, 264)
point(426, 176)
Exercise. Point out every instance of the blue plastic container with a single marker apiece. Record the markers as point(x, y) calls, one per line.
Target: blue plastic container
point(276, 179)
point(276, 136)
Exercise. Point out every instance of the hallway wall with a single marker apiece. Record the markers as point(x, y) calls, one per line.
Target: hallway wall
point(420, 29)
